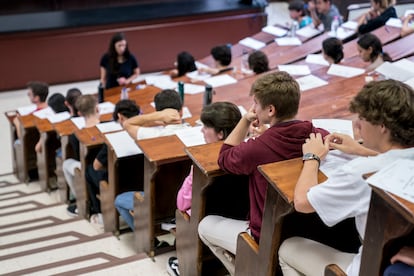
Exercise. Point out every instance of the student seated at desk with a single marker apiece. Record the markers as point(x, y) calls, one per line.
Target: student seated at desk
point(163, 122)
point(96, 172)
point(345, 194)
point(185, 63)
point(222, 59)
point(258, 62)
point(276, 99)
point(402, 263)
point(87, 106)
point(408, 25)
point(370, 50)
point(377, 16)
point(298, 12)
point(323, 11)
point(332, 50)
point(118, 66)
point(219, 120)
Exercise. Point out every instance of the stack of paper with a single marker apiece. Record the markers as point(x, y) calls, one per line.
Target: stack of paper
point(252, 43)
point(308, 31)
point(276, 31)
point(287, 41)
point(123, 144)
point(344, 71)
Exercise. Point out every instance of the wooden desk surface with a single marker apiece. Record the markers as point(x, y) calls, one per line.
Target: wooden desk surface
point(90, 136)
point(401, 48)
point(27, 121)
point(163, 150)
point(205, 157)
point(43, 125)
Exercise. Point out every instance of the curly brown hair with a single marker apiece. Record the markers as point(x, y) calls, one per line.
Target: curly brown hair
point(389, 103)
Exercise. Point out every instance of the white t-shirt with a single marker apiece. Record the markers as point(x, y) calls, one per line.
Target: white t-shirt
point(158, 131)
point(346, 194)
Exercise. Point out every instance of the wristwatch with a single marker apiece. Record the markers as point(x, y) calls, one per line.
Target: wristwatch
point(311, 156)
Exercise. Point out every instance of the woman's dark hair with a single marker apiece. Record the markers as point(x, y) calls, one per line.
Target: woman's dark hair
point(297, 5)
point(71, 96)
point(112, 53)
point(258, 62)
point(57, 103)
point(127, 108)
point(222, 116)
point(333, 48)
point(222, 54)
point(371, 40)
point(185, 63)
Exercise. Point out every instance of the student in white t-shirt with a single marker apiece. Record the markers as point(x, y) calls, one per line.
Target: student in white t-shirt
point(386, 124)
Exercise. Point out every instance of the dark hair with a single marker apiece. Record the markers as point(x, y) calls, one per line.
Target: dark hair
point(222, 54)
point(40, 89)
point(280, 90)
point(112, 53)
point(185, 63)
point(167, 98)
point(371, 40)
point(389, 103)
point(127, 108)
point(57, 103)
point(333, 48)
point(258, 62)
point(71, 96)
point(297, 5)
point(222, 116)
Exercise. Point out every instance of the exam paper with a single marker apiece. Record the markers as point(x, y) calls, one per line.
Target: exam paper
point(308, 31)
point(58, 117)
point(295, 69)
point(161, 81)
point(309, 82)
point(44, 113)
point(79, 122)
point(123, 144)
point(109, 127)
point(26, 110)
point(394, 22)
point(192, 89)
point(286, 41)
point(252, 43)
point(316, 59)
point(344, 71)
point(392, 71)
point(195, 75)
point(397, 178)
point(335, 125)
point(276, 31)
point(191, 136)
point(106, 107)
point(352, 25)
point(220, 80)
point(341, 33)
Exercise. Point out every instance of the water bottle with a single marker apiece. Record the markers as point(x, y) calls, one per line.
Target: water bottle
point(124, 93)
point(294, 28)
point(181, 90)
point(208, 95)
point(335, 26)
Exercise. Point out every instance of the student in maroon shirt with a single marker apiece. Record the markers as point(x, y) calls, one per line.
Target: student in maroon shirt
point(276, 99)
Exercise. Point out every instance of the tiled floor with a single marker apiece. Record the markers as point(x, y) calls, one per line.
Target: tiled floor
point(10, 100)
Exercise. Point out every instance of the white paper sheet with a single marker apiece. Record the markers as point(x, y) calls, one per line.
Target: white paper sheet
point(394, 22)
point(252, 43)
point(44, 113)
point(191, 136)
point(405, 64)
point(397, 178)
point(316, 59)
point(286, 41)
point(195, 75)
point(106, 107)
point(276, 31)
point(410, 82)
point(109, 127)
point(242, 110)
point(192, 89)
point(407, 12)
point(78, 121)
point(58, 117)
point(220, 80)
point(335, 125)
point(186, 113)
point(344, 71)
point(309, 82)
point(295, 69)
point(342, 33)
point(352, 25)
point(123, 144)
point(308, 31)
point(392, 71)
point(26, 110)
point(161, 81)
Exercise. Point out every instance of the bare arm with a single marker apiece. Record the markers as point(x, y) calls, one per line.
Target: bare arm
point(406, 29)
point(405, 255)
point(167, 116)
point(309, 175)
point(239, 133)
point(312, 10)
point(133, 76)
point(347, 144)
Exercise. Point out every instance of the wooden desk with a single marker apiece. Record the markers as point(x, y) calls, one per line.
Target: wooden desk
point(90, 141)
point(213, 192)
point(10, 115)
point(165, 167)
point(401, 48)
point(46, 159)
point(390, 219)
